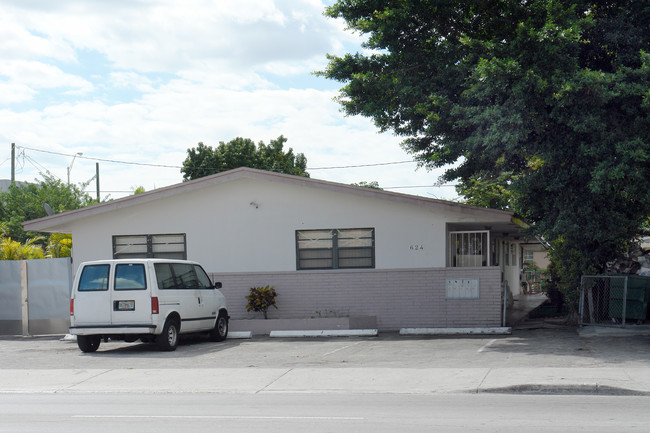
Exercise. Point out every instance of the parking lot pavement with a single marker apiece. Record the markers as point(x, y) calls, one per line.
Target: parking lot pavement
point(550, 359)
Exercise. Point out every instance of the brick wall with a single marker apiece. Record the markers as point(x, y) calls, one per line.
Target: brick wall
point(398, 298)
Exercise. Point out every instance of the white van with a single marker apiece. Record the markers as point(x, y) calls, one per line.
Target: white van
point(153, 300)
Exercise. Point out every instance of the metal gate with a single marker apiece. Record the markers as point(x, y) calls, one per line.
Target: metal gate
point(613, 300)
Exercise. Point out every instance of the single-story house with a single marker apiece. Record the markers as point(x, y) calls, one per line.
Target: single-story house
point(329, 249)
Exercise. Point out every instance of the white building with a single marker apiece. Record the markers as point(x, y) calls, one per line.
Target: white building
point(327, 248)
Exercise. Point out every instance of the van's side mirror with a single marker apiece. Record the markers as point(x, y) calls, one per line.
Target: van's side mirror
point(218, 285)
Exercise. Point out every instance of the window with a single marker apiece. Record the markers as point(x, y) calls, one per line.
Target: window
point(529, 256)
point(181, 276)
point(150, 246)
point(94, 278)
point(130, 277)
point(468, 248)
point(335, 248)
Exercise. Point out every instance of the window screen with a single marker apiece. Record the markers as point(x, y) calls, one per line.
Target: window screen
point(335, 248)
point(161, 246)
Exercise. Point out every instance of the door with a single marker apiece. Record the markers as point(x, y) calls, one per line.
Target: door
point(209, 302)
point(92, 299)
point(179, 291)
point(130, 295)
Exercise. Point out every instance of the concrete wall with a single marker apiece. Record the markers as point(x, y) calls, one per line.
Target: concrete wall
point(397, 297)
point(35, 296)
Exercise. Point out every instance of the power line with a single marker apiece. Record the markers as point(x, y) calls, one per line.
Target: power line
point(101, 159)
point(179, 166)
point(435, 185)
point(360, 165)
point(33, 162)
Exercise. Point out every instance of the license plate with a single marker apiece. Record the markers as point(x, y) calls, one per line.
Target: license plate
point(125, 305)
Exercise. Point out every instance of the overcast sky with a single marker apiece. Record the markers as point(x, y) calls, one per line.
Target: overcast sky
point(141, 81)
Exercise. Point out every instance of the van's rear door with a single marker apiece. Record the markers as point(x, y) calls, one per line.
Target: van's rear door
point(92, 298)
point(130, 295)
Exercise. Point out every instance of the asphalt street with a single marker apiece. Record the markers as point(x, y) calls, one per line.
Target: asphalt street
point(528, 361)
point(320, 413)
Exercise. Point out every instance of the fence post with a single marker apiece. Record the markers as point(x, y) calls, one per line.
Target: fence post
point(24, 297)
point(624, 314)
point(505, 301)
point(581, 303)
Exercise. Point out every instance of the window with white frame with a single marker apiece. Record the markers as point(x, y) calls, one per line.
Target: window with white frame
point(160, 246)
point(335, 248)
point(468, 249)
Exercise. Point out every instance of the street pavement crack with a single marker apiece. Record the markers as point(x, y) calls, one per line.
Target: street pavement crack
point(274, 381)
point(480, 385)
point(83, 381)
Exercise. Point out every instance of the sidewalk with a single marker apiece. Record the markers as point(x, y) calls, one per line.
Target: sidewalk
point(609, 381)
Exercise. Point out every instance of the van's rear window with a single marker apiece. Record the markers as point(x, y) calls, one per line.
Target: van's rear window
point(130, 277)
point(94, 278)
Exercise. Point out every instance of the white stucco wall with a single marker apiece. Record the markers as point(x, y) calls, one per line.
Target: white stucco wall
point(248, 225)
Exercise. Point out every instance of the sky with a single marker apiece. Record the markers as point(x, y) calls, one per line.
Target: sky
point(133, 84)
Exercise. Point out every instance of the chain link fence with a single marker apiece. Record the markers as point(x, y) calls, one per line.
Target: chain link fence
point(614, 300)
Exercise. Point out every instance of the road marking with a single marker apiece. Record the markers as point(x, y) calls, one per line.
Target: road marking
point(341, 348)
point(486, 345)
point(226, 417)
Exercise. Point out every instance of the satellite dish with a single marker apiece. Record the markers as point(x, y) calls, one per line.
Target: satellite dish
point(48, 209)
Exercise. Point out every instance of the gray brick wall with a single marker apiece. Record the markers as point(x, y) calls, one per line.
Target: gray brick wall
point(398, 298)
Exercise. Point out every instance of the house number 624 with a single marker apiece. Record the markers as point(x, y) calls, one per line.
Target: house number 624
point(416, 247)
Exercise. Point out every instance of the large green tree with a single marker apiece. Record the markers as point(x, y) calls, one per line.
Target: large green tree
point(554, 94)
point(242, 152)
point(25, 201)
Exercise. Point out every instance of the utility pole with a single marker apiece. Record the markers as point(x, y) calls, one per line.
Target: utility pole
point(13, 163)
point(97, 179)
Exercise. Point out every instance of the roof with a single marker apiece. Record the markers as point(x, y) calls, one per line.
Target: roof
point(48, 223)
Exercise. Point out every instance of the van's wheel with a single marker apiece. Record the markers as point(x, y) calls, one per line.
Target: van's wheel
point(220, 330)
point(168, 339)
point(88, 343)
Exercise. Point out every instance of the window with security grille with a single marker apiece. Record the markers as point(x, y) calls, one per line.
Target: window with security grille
point(468, 249)
point(335, 248)
point(161, 246)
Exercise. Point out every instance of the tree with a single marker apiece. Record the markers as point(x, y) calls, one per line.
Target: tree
point(242, 152)
point(12, 250)
point(554, 94)
point(372, 184)
point(59, 245)
point(488, 190)
point(23, 202)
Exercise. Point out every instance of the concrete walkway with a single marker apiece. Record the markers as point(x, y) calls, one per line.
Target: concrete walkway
point(606, 381)
point(522, 306)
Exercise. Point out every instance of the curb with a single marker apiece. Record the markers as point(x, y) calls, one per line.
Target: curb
point(456, 331)
point(533, 389)
point(325, 333)
point(240, 335)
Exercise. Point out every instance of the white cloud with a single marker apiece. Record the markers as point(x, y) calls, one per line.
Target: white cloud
point(39, 75)
point(17, 42)
point(13, 93)
point(171, 35)
point(183, 72)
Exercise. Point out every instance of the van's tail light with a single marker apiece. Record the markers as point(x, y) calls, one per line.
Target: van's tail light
point(154, 305)
point(72, 307)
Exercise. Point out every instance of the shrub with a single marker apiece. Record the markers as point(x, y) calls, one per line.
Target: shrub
point(260, 299)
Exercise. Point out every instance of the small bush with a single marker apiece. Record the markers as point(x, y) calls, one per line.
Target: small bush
point(260, 299)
